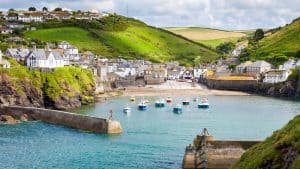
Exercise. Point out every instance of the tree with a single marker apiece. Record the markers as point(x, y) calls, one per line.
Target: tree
point(11, 10)
point(197, 60)
point(225, 48)
point(31, 9)
point(58, 9)
point(45, 9)
point(258, 35)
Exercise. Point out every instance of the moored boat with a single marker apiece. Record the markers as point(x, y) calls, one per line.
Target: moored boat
point(185, 102)
point(132, 99)
point(169, 100)
point(127, 109)
point(177, 109)
point(160, 103)
point(203, 104)
point(142, 106)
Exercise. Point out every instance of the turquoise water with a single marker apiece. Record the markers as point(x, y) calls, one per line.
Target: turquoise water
point(155, 138)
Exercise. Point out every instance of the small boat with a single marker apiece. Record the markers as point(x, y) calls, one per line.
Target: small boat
point(185, 102)
point(142, 106)
point(132, 99)
point(177, 109)
point(160, 103)
point(146, 101)
point(169, 100)
point(127, 109)
point(195, 99)
point(203, 104)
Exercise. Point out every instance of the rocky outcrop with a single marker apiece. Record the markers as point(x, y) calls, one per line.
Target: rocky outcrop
point(25, 94)
point(286, 89)
point(8, 119)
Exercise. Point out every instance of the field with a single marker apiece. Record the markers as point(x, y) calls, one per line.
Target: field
point(136, 41)
point(209, 37)
point(76, 36)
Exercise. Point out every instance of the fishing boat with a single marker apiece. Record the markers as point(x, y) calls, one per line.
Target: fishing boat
point(132, 99)
point(160, 103)
point(177, 109)
point(127, 109)
point(186, 102)
point(142, 106)
point(169, 100)
point(203, 104)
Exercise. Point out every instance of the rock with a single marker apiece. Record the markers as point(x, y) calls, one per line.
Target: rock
point(114, 127)
point(8, 119)
point(24, 117)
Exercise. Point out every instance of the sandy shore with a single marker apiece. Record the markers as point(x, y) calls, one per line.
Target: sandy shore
point(172, 88)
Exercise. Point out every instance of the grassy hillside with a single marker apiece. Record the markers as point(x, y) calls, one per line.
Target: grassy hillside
point(207, 36)
point(133, 39)
point(281, 150)
point(77, 36)
point(65, 81)
point(280, 45)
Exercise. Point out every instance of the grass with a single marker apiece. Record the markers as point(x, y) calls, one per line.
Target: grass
point(135, 41)
point(271, 153)
point(207, 36)
point(284, 42)
point(68, 81)
point(79, 37)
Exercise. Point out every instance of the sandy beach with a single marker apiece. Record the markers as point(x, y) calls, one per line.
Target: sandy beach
point(173, 88)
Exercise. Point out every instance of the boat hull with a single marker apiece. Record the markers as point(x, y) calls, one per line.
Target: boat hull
point(177, 110)
point(186, 103)
point(159, 104)
point(203, 106)
point(142, 107)
point(126, 110)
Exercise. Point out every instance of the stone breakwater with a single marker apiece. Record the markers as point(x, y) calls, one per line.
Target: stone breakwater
point(208, 153)
point(82, 122)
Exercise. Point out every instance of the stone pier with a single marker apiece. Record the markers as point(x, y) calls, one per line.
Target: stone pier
point(81, 122)
point(207, 153)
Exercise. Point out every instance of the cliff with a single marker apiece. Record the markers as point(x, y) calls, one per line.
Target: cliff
point(281, 150)
point(62, 88)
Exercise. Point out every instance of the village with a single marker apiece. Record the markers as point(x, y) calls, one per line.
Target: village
point(122, 73)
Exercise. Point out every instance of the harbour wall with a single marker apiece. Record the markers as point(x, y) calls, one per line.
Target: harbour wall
point(240, 85)
point(81, 122)
point(217, 154)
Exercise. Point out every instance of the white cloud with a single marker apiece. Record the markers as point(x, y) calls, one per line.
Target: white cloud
point(226, 14)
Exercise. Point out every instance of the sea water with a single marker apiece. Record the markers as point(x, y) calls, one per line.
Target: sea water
point(155, 138)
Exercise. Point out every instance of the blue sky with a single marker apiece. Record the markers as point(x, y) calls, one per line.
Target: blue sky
point(224, 14)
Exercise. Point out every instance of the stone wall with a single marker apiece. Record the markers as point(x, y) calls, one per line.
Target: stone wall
point(240, 85)
point(73, 120)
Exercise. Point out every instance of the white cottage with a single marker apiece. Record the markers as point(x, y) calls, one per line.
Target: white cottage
point(44, 58)
point(276, 76)
point(3, 62)
point(18, 54)
point(290, 64)
point(258, 67)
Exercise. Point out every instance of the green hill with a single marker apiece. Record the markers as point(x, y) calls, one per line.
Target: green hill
point(281, 150)
point(208, 36)
point(125, 37)
point(281, 44)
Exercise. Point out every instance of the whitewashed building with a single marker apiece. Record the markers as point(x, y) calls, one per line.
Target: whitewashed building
point(18, 54)
point(30, 17)
point(258, 67)
point(3, 62)
point(44, 58)
point(276, 76)
point(290, 64)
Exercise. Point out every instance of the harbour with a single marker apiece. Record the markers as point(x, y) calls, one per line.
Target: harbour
point(154, 138)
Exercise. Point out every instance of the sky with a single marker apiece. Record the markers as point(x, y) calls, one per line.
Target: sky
point(223, 14)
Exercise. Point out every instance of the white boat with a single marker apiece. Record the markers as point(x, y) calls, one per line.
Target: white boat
point(203, 104)
point(127, 109)
point(177, 109)
point(169, 100)
point(160, 103)
point(142, 105)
